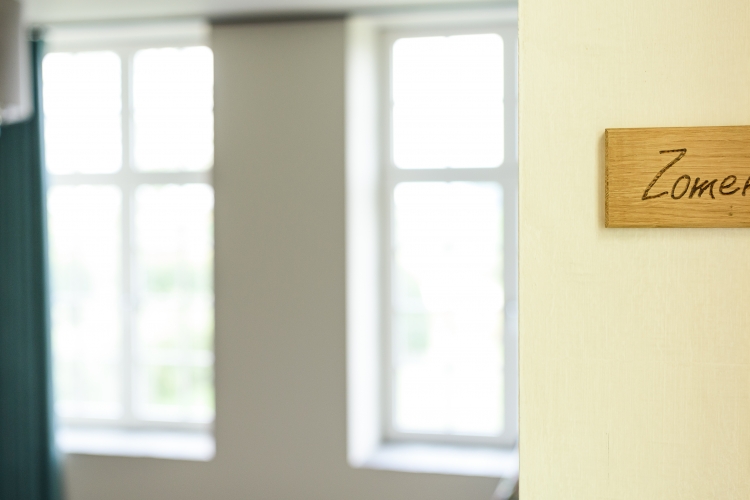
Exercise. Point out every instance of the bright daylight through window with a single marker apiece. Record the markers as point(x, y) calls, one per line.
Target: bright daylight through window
point(451, 182)
point(129, 150)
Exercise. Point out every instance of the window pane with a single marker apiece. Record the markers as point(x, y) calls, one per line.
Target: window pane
point(82, 112)
point(84, 250)
point(448, 102)
point(448, 302)
point(174, 322)
point(173, 109)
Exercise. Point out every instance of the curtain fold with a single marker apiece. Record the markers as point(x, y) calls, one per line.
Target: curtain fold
point(28, 469)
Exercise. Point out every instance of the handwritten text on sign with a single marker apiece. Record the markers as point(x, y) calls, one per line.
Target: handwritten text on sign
point(677, 177)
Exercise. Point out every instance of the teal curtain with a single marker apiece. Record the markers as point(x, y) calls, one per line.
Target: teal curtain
point(27, 457)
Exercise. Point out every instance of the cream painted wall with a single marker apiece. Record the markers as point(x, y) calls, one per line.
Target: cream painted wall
point(635, 343)
point(280, 292)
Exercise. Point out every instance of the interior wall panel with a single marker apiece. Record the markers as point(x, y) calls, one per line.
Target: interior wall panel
point(634, 343)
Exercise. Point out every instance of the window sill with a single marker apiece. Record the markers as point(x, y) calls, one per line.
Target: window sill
point(197, 446)
point(445, 459)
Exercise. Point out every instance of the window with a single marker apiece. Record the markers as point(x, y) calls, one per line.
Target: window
point(450, 236)
point(432, 174)
point(129, 152)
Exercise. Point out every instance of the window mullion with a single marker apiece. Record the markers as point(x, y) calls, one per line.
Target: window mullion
point(128, 354)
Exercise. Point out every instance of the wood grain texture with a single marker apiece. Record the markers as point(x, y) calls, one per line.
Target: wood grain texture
point(677, 177)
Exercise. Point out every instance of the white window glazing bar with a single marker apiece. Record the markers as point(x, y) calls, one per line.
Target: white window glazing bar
point(126, 370)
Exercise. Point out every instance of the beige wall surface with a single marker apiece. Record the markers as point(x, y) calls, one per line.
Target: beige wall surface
point(635, 343)
point(280, 292)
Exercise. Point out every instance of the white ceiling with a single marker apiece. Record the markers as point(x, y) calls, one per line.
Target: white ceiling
point(53, 11)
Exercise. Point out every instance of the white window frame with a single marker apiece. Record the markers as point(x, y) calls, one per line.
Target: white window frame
point(370, 441)
point(506, 175)
point(125, 41)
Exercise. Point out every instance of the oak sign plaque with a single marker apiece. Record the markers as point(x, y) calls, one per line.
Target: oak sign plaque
point(677, 177)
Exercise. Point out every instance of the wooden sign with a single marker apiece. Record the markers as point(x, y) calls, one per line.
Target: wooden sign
point(677, 177)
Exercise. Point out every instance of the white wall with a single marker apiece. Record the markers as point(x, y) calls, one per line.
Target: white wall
point(635, 343)
point(280, 291)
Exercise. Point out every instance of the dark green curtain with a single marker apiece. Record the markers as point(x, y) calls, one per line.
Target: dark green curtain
point(27, 458)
